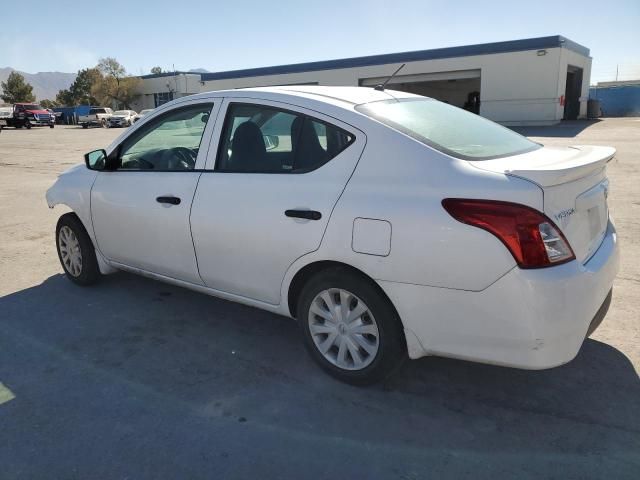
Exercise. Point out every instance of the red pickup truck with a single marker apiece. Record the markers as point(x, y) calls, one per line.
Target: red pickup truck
point(28, 115)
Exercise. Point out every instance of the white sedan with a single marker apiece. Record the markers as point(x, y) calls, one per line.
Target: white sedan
point(122, 118)
point(138, 116)
point(386, 223)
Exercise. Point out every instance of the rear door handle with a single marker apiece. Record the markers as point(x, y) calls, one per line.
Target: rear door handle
point(306, 214)
point(170, 200)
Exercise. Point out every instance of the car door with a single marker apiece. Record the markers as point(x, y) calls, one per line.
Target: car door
point(140, 206)
point(269, 196)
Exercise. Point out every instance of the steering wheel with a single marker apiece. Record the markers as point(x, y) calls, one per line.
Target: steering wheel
point(180, 158)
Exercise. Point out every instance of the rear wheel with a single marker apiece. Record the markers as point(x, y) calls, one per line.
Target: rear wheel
point(349, 327)
point(51, 126)
point(75, 251)
point(84, 125)
point(104, 123)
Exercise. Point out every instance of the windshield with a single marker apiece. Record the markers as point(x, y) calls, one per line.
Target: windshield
point(449, 129)
point(32, 107)
point(121, 112)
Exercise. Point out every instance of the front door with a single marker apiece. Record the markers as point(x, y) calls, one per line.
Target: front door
point(140, 206)
point(278, 174)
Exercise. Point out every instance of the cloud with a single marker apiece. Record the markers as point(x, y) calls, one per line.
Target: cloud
point(32, 56)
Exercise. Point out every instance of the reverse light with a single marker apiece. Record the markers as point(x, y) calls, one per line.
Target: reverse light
point(531, 237)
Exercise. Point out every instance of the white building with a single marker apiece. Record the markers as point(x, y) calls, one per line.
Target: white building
point(535, 81)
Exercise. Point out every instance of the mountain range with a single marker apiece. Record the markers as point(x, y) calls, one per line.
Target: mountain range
point(45, 84)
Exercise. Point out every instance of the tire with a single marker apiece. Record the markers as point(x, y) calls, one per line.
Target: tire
point(71, 234)
point(379, 328)
point(28, 125)
point(51, 126)
point(104, 123)
point(84, 125)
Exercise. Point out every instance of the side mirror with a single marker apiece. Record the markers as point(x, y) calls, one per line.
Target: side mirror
point(96, 160)
point(271, 142)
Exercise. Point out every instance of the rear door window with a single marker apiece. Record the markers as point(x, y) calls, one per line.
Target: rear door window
point(264, 139)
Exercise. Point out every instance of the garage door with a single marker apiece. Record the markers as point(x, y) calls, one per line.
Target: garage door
point(460, 88)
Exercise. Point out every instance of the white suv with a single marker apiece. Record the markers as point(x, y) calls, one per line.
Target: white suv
point(386, 223)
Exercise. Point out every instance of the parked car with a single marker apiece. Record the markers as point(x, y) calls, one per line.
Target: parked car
point(5, 114)
point(98, 116)
point(122, 118)
point(386, 223)
point(142, 113)
point(26, 115)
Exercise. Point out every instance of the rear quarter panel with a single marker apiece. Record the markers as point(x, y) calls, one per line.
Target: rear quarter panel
point(403, 182)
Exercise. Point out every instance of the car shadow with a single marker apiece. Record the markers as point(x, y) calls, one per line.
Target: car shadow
point(133, 343)
point(566, 128)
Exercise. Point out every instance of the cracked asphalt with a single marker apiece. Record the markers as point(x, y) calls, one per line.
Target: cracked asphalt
point(135, 379)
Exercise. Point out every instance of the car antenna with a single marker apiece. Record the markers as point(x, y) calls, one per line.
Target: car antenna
point(382, 85)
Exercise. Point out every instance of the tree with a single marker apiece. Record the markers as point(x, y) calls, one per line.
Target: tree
point(156, 70)
point(16, 89)
point(79, 93)
point(115, 86)
point(48, 103)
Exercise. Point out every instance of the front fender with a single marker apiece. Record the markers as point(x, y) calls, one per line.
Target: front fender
point(73, 189)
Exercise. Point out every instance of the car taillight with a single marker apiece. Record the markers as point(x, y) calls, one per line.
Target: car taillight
point(531, 237)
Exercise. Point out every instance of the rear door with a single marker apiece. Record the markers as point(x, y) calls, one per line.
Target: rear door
point(271, 183)
point(140, 209)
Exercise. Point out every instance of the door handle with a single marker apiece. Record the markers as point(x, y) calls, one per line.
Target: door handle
point(306, 214)
point(170, 200)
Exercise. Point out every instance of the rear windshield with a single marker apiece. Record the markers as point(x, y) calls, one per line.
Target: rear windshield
point(93, 111)
point(449, 129)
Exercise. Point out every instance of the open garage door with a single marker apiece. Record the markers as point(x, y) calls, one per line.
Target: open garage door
point(460, 88)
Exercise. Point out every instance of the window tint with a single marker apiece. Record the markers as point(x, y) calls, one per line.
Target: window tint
point(170, 142)
point(449, 129)
point(262, 139)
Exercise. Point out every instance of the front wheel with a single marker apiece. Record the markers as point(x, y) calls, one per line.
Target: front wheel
point(349, 327)
point(75, 251)
point(51, 126)
point(28, 125)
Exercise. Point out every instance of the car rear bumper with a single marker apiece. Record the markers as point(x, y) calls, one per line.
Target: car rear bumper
point(531, 319)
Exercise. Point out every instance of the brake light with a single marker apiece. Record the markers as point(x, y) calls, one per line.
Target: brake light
point(531, 237)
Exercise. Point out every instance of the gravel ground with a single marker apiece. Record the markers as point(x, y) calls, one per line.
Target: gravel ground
point(135, 379)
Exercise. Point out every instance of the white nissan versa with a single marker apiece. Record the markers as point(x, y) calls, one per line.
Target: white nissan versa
point(386, 223)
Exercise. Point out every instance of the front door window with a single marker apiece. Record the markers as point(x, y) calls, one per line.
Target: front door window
point(168, 143)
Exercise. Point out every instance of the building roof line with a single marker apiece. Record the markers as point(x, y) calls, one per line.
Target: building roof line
point(539, 43)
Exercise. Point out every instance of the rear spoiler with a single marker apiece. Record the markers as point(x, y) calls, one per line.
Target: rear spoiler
point(587, 159)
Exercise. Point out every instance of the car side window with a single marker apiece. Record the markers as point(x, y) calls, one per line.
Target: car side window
point(264, 139)
point(168, 143)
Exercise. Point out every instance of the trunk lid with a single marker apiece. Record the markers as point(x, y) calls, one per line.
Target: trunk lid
point(575, 188)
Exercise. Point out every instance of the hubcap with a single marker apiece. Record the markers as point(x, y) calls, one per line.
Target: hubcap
point(343, 329)
point(70, 252)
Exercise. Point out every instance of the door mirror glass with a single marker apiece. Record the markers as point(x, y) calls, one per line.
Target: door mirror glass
point(271, 141)
point(96, 160)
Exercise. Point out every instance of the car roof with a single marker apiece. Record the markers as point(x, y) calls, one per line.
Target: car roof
point(328, 94)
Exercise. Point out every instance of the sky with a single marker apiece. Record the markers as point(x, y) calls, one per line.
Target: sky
point(238, 34)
